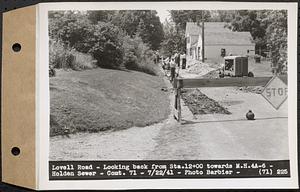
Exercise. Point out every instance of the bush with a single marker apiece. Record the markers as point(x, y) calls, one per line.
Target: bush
point(59, 55)
point(107, 45)
point(82, 61)
point(138, 56)
point(63, 57)
point(72, 28)
point(78, 41)
point(102, 40)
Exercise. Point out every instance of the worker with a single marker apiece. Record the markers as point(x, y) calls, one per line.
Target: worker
point(183, 60)
point(177, 59)
point(167, 63)
point(173, 68)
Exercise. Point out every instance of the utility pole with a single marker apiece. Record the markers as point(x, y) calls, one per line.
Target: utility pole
point(202, 34)
point(203, 57)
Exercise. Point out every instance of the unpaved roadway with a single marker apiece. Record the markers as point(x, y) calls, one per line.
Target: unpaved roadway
point(212, 136)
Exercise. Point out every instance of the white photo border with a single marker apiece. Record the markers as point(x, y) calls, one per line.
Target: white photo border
point(43, 100)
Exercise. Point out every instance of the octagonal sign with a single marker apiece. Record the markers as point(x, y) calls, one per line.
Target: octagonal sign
point(275, 92)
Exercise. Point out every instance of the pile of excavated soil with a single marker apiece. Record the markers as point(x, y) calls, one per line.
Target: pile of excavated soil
point(252, 89)
point(199, 68)
point(199, 103)
point(211, 75)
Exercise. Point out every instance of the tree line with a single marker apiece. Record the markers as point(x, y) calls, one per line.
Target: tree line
point(115, 39)
point(268, 29)
point(128, 39)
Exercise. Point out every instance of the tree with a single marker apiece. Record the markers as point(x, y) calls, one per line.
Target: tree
point(222, 15)
point(276, 35)
point(150, 30)
point(102, 35)
point(144, 23)
point(181, 17)
point(100, 15)
point(268, 29)
point(72, 28)
point(174, 39)
point(245, 20)
point(106, 45)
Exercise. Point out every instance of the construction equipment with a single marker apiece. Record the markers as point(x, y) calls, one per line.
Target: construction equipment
point(235, 66)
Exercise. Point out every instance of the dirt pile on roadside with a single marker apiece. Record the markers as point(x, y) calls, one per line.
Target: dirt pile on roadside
point(199, 103)
point(211, 75)
point(199, 68)
point(252, 89)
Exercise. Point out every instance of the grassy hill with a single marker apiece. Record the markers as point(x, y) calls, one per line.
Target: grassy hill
point(104, 99)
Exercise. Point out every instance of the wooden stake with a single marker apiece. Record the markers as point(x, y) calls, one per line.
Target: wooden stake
point(203, 56)
point(178, 104)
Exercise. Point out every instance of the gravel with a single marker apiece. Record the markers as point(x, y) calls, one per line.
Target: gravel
point(199, 103)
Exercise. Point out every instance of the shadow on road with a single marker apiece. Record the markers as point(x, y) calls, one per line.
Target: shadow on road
point(188, 122)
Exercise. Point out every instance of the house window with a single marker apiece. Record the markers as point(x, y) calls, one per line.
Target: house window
point(223, 52)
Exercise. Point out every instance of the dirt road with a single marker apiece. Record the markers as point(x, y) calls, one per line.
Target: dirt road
point(213, 136)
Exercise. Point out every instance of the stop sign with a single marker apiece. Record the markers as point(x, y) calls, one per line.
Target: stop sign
point(275, 92)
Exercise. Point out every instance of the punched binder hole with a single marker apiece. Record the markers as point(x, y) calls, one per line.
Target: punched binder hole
point(16, 47)
point(15, 151)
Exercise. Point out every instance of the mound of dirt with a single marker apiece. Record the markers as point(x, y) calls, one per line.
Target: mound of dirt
point(211, 75)
point(199, 103)
point(199, 68)
point(252, 89)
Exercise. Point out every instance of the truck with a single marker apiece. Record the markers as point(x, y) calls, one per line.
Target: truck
point(235, 66)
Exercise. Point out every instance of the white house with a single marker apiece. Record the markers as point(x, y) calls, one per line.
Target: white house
point(217, 40)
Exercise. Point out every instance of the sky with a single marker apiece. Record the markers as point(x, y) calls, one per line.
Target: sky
point(163, 14)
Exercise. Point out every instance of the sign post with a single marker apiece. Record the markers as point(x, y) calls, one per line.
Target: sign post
point(275, 91)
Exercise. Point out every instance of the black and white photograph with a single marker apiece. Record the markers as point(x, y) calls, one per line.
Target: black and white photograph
point(170, 95)
point(150, 95)
point(168, 84)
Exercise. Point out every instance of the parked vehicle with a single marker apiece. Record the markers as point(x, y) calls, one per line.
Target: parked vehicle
point(235, 66)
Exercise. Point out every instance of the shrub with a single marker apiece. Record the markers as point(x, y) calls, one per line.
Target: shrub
point(78, 41)
point(82, 61)
point(130, 58)
point(102, 40)
point(138, 56)
point(72, 28)
point(106, 44)
point(61, 56)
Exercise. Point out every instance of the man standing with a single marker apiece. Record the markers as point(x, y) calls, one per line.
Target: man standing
point(183, 60)
point(177, 59)
point(173, 68)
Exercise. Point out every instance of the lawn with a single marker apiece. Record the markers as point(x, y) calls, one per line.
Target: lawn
point(103, 99)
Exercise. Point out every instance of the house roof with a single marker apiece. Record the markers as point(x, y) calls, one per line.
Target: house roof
point(227, 38)
point(217, 33)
